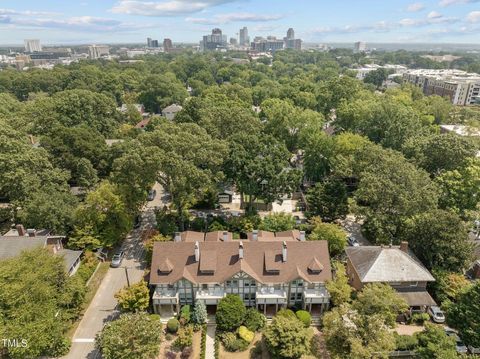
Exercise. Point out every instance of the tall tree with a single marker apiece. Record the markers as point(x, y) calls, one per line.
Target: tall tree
point(134, 298)
point(433, 343)
point(328, 199)
point(339, 289)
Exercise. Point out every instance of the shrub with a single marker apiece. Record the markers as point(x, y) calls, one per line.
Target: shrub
point(405, 342)
point(155, 317)
point(199, 315)
point(230, 312)
point(184, 338)
point(203, 343)
point(186, 353)
point(420, 318)
point(173, 325)
point(254, 320)
point(168, 336)
point(171, 355)
point(286, 313)
point(232, 343)
point(304, 317)
point(246, 334)
point(185, 315)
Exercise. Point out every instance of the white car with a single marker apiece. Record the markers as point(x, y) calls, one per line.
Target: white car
point(436, 314)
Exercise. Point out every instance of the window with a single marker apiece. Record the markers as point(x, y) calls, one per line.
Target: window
point(413, 284)
point(204, 286)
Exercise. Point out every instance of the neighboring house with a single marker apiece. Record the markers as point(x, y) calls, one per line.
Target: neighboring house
point(394, 265)
point(143, 123)
point(225, 196)
point(171, 111)
point(138, 106)
point(111, 142)
point(266, 274)
point(15, 241)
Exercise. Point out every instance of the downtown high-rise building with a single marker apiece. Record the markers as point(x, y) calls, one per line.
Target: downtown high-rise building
point(360, 46)
point(215, 41)
point(151, 42)
point(167, 45)
point(32, 45)
point(98, 51)
point(244, 39)
point(291, 42)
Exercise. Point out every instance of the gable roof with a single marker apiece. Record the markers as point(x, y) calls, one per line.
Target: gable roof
point(387, 264)
point(13, 246)
point(224, 257)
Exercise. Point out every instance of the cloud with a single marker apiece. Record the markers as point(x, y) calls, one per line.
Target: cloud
point(417, 6)
point(234, 17)
point(165, 8)
point(434, 15)
point(473, 17)
point(456, 2)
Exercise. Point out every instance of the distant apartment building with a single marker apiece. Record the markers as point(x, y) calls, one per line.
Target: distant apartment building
point(215, 41)
point(244, 39)
point(98, 51)
point(167, 45)
point(152, 43)
point(360, 46)
point(269, 44)
point(32, 45)
point(460, 87)
point(269, 271)
point(394, 69)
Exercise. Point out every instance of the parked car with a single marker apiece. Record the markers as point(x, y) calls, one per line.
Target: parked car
point(460, 346)
point(151, 195)
point(436, 314)
point(117, 259)
point(352, 242)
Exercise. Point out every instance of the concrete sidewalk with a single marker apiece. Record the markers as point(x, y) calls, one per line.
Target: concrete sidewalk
point(210, 342)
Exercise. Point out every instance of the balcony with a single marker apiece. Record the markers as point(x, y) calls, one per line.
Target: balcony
point(271, 296)
point(165, 296)
point(316, 296)
point(210, 296)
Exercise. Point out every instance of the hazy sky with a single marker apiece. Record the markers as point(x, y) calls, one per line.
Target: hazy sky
point(89, 21)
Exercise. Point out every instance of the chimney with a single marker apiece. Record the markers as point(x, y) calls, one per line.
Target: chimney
point(197, 252)
point(302, 236)
point(177, 237)
point(225, 236)
point(284, 251)
point(404, 246)
point(255, 235)
point(31, 232)
point(240, 250)
point(20, 230)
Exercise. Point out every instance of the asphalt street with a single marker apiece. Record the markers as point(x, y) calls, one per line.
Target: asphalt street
point(103, 307)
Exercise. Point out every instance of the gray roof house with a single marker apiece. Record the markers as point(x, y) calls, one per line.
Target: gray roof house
point(14, 242)
point(393, 265)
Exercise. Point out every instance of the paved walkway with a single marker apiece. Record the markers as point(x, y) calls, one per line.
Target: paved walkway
point(103, 307)
point(210, 342)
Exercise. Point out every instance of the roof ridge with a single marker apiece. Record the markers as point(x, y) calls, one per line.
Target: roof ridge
point(380, 249)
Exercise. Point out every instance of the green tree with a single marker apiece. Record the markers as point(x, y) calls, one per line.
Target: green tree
point(132, 336)
point(135, 298)
point(376, 77)
point(339, 289)
point(440, 240)
point(278, 222)
point(330, 232)
point(434, 343)
point(37, 305)
point(254, 320)
point(160, 91)
point(328, 199)
point(200, 312)
point(230, 312)
point(259, 166)
point(190, 161)
point(349, 334)
point(440, 152)
point(449, 285)
point(287, 338)
point(104, 214)
point(380, 299)
point(465, 315)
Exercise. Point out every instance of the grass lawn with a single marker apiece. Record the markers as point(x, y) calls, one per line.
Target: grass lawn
point(91, 290)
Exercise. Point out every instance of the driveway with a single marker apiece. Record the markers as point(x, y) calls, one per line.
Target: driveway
point(161, 199)
point(103, 307)
point(354, 229)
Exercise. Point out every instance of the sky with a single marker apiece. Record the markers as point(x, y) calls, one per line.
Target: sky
point(321, 21)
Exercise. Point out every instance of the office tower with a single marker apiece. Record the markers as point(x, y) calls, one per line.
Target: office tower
point(360, 46)
point(167, 45)
point(32, 45)
point(270, 44)
point(97, 51)
point(290, 34)
point(154, 43)
point(215, 41)
point(244, 39)
point(149, 42)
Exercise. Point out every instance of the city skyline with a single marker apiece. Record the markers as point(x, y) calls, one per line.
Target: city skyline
point(114, 21)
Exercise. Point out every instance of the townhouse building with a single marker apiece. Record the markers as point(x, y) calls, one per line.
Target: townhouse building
point(269, 271)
